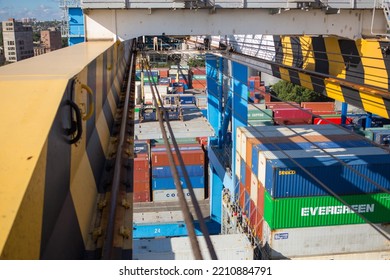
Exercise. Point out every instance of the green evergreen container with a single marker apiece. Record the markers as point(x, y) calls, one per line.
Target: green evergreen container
point(325, 210)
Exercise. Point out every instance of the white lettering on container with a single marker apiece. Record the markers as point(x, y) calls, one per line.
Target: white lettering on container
point(336, 210)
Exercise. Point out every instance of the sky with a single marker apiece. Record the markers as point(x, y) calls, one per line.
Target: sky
point(39, 9)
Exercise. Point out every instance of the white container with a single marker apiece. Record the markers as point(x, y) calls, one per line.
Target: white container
point(227, 247)
point(254, 187)
point(238, 166)
point(321, 241)
point(171, 195)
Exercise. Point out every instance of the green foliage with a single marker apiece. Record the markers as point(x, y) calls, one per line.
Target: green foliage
point(289, 92)
point(195, 62)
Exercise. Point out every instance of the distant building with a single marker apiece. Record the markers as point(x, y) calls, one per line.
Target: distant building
point(51, 40)
point(18, 41)
point(28, 20)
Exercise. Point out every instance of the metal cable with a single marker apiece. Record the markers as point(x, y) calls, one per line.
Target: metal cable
point(183, 203)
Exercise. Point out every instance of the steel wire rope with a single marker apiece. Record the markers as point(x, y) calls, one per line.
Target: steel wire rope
point(316, 179)
point(313, 115)
point(310, 174)
point(202, 224)
point(197, 209)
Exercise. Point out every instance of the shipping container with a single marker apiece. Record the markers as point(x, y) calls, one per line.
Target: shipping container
point(227, 247)
point(165, 171)
point(260, 114)
point(192, 154)
point(169, 195)
point(320, 242)
point(317, 211)
point(282, 175)
point(292, 116)
point(165, 183)
point(141, 191)
point(318, 106)
point(275, 105)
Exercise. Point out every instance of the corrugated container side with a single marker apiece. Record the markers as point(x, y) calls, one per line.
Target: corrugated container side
point(273, 105)
point(171, 195)
point(238, 166)
point(242, 172)
point(284, 178)
point(141, 191)
point(325, 210)
point(318, 106)
point(254, 188)
point(256, 114)
point(169, 183)
point(242, 196)
point(252, 215)
point(248, 177)
point(323, 241)
point(195, 157)
point(247, 204)
point(292, 116)
point(165, 171)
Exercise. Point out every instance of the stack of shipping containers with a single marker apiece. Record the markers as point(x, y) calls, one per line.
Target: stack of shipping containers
point(141, 172)
point(163, 186)
point(293, 215)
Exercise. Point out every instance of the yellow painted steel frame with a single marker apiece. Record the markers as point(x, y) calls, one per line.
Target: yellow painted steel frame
point(48, 187)
point(356, 72)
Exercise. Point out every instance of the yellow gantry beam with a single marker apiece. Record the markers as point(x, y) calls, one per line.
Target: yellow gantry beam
point(33, 114)
point(355, 72)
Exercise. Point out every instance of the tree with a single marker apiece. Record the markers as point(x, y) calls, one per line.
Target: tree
point(289, 92)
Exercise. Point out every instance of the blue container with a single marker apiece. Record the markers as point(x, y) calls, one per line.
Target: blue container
point(141, 147)
point(149, 116)
point(165, 171)
point(247, 204)
point(284, 178)
point(242, 171)
point(187, 99)
point(204, 112)
point(169, 184)
point(302, 146)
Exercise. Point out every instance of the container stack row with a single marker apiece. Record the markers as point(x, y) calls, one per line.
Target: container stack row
point(152, 175)
point(297, 185)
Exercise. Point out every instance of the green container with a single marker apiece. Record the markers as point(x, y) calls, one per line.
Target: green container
point(178, 140)
point(325, 210)
point(152, 79)
point(260, 123)
point(264, 114)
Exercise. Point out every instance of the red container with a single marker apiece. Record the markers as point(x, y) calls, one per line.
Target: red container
point(198, 71)
point(248, 176)
point(291, 116)
point(318, 106)
point(141, 163)
point(202, 140)
point(274, 105)
point(332, 120)
point(141, 191)
point(164, 72)
point(252, 215)
point(194, 156)
point(141, 196)
point(260, 211)
point(141, 175)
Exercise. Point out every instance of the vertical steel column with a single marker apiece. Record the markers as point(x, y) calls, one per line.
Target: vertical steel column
point(344, 110)
point(240, 109)
point(221, 135)
point(213, 97)
point(215, 195)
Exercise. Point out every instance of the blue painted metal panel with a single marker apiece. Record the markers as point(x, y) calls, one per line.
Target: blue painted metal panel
point(171, 230)
point(168, 183)
point(165, 171)
point(215, 195)
point(240, 104)
point(213, 96)
point(285, 179)
point(242, 171)
point(75, 40)
point(247, 204)
point(76, 22)
point(344, 112)
point(204, 112)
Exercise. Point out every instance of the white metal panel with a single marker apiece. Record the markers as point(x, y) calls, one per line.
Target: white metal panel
point(319, 241)
point(238, 166)
point(261, 167)
point(171, 195)
point(382, 255)
point(254, 188)
point(227, 247)
point(130, 23)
